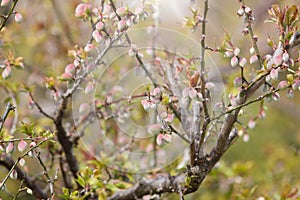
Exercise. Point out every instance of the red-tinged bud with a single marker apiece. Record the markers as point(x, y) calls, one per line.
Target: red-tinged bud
point(18, 18)
point(252, 50)
point(248, 10)
point(22, 162)
point(236, 51)
point(240, 12)
point(237, 82)
point(13, 174)
point(274, 74)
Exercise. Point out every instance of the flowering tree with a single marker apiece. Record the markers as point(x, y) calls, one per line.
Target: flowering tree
point(138, 112)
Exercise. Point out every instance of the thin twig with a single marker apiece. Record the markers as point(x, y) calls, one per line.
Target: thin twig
point(9, 107)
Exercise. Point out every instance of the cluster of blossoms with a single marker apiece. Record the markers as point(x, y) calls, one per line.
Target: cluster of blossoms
point(108, 20)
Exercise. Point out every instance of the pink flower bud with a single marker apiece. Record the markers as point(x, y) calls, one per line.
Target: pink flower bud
point(290, 93)
point(253, 59)
point(97, 36)
point(13, 174)
point(22, 145)
point(234, 61)
point(285, 57)
point(66, 77)
point(296, 85)
point(240, 12)
point(248, 10)
point(251, 124)
point(10, 147)
point(252, 50)
point(100, 26)
point(4, 2)
point(89, 88)
point(163, 137)
point(6, 72)
point(277, 59)
point(228, 54)
point(22, 162)
point(122, 25)
point(70, 68)
point(89, 47)
point(84, 107)
point(274, 74)
point(243, 62)
point(122, 11)
point(81, 9)
point(282, 85)
point(236, 51)
point(18, 18)
point(237, 82)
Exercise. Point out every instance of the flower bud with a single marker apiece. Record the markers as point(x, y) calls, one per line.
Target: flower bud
point(18, 18)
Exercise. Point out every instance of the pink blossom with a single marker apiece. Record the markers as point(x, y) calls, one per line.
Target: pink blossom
point(70, 68)
point(285, 57)
point(237, 82)
point(296, 85)
point(89, 88)
point(163, 137)
point(167, 117)
point(147, 104)
point(84, 107)
point(246, 137)
point(122, 11)
point(228, 54)
point(6, 72)
point(89, 47)
point(122, 25)
point(282, 84)
point(243, 62)
point(66, 77)
point(18, 18)
point(22, 162)
point(100, 26)
point(209, 85)
point(240, 12)
point(277, 59)
point(4, 2)
point(251, 124)
point(22, 145)
point(274, 74)
point(234, 61)
point(10, 147)
point(156, 92)
point(81, 9)
point(189, 92)
point(253, 59)
point(236, 51)
point(97, 36)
